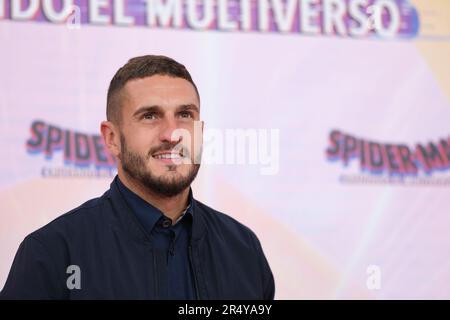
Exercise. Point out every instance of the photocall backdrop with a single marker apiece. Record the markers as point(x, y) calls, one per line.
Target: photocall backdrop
point(326, 127)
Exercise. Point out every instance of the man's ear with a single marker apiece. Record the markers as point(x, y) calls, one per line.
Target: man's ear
point(111, 137)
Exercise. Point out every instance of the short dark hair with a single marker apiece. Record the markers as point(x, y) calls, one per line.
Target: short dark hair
point(138, 68)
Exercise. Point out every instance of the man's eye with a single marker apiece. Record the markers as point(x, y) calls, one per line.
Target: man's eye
point(185, 115)
point(150, 116)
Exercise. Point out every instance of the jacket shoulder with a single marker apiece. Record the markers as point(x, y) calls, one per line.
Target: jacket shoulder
point(71, 223)
point(223, 224)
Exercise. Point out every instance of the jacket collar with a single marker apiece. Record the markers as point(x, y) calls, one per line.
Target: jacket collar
point(129, 221)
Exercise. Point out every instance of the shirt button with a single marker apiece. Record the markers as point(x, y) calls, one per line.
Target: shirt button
point(166, 223)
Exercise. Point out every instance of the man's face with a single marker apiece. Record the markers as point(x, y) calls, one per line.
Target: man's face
point(151, 152)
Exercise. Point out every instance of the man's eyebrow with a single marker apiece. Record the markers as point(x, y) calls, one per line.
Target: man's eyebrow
point(187, 107)
point(145, 109)
point(158, 109)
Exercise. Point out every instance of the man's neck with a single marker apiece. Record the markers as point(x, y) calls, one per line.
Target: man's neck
point(172, 207)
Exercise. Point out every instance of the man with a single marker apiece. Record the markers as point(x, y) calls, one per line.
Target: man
point(146, 237)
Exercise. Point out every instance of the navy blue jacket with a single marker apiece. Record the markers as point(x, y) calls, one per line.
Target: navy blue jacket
point(116, 261)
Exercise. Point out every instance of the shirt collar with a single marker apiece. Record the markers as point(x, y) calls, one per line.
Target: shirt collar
point(187, 210)
point(147, 214)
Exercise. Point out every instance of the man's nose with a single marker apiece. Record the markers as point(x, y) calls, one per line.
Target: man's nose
point(168, 127)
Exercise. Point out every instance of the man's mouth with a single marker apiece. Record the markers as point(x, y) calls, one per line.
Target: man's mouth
point(168, 155)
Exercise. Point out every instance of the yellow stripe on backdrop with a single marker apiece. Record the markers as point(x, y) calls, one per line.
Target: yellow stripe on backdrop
point(433, 40)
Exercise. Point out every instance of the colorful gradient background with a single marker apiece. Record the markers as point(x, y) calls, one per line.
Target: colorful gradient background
point(319, 235)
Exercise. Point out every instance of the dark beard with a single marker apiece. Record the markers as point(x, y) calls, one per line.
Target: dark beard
point(135, 166)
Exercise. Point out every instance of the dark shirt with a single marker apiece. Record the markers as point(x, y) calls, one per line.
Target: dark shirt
point(170, 242)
